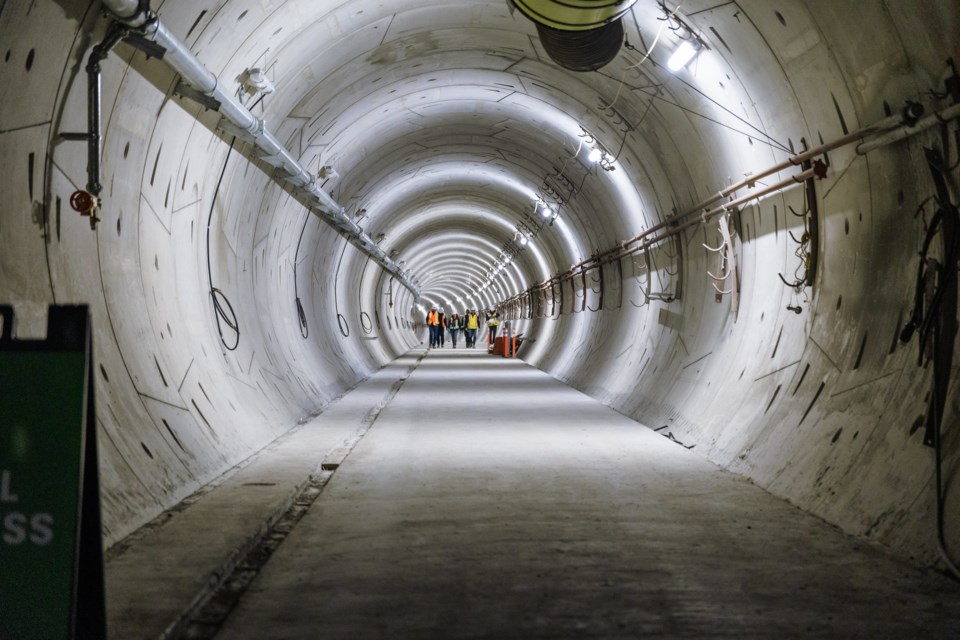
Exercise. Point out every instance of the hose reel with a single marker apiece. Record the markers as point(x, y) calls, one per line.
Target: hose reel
point(579, 35)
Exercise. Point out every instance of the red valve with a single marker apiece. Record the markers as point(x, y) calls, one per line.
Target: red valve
point(85, 204)
point(82, 202)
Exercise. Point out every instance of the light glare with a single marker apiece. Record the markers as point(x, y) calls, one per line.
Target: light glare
point(681, 57)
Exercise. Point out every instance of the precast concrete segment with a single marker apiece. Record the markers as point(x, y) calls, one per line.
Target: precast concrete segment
point(239, 121)
point(157, 577)
point(491, 501)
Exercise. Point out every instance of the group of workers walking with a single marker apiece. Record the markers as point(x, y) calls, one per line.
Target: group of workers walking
point(469, 323)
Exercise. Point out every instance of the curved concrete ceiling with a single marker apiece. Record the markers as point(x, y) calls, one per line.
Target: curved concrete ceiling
point(446, 123)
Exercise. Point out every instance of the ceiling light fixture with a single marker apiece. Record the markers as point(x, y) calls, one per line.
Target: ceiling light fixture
point(686, 52)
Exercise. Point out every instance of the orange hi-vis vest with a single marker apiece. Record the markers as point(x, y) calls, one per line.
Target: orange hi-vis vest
point(433, 319)
point(472, 321)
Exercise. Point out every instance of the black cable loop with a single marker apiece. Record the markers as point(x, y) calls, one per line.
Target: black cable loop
point(228, 316)
point(341, 320)
point(302, 317)
point(938, 324)
point(301, 314)
point(223, 310)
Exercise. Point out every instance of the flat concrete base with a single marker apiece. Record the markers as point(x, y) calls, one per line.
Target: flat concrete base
point(159, 575)
point(490, 501)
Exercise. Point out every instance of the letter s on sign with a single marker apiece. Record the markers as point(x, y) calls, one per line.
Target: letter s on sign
point(14, 528)
point(41, 529)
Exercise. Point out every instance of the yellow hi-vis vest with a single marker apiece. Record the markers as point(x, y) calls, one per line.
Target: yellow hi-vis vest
point(472, 321)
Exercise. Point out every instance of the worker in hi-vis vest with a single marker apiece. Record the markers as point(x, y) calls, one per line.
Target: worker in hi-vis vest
point(441, 328)
point(433, 323)
point(471, 324)
point(493, 323)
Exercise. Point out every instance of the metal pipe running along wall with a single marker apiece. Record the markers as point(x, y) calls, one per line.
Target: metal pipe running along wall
point(879, 134)
point(237, 120)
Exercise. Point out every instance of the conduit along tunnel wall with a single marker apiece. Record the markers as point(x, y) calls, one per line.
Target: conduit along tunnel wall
point(623, 218)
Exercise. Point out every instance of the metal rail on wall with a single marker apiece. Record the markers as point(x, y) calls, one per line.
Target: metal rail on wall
point(886, 131)
point(201, 84)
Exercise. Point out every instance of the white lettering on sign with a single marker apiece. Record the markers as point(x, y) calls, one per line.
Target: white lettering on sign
point(16, 528)
point(6, 492)
point(41, 529)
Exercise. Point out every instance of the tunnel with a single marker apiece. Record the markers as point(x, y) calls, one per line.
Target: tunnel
point(747, 259)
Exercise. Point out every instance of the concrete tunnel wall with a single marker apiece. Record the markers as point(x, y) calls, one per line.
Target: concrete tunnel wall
point(444, 121)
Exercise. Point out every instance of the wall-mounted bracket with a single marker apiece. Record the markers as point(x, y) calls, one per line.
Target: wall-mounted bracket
point(149, 48)
point(184, 90)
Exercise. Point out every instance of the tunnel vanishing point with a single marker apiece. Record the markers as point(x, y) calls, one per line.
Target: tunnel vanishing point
point(753, 250)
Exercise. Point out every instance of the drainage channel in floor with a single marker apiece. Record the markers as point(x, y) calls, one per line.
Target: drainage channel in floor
point(203, 621)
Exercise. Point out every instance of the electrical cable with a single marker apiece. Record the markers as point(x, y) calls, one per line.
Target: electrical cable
point(776, 143)
point(223, 315)
point(301, 314)
point(771, 142)
point(669, 16)
point(623, 76)
point(341, 319)
point(802, 252)
point(945, 141)
point(559, 174)
point(941, 493)
point(939, 324)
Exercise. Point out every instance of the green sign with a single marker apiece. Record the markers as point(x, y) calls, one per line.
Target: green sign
point(43, 415)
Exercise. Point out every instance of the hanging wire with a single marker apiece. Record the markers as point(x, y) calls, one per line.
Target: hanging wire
point(672, 257)
point(653, 45)
point(769, 142)
point(936, 325)
point(552, 194)
point(301, 314)
point(684, 32)
point(643, 287)
point(802, 252)
point(223, 310)
point(725, 249)
point(669, 18)
point(773, 142)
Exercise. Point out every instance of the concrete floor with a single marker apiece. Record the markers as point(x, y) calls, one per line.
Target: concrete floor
point(488, 500)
